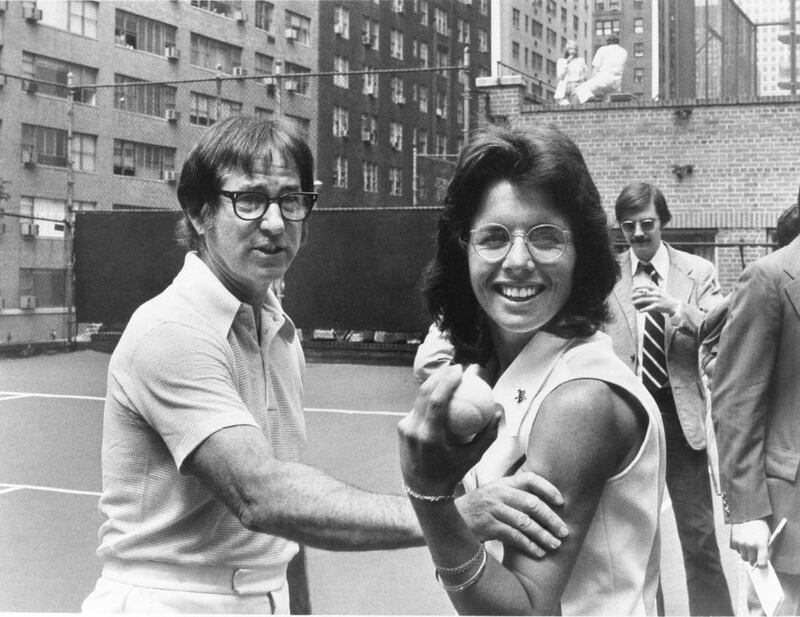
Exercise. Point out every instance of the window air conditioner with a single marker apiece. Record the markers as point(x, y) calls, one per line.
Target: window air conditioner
point(31, 13)
point(27, 302)
point(171, 115)
point(238, 71)
point(292, 85)
point(292, 34)
point(172, 52)
point(29, 230)
point(168, 175)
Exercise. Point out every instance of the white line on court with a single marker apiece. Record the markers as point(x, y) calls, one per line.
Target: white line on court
point(42, 395)
point(11, 397)
point(49, 489)
point(353, 412)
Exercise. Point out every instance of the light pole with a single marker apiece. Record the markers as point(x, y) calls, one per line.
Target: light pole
point(69, 219)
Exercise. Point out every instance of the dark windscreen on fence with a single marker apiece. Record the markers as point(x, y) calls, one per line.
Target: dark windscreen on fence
point(359, 270)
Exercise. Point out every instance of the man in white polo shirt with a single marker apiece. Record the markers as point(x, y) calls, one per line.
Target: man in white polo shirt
point(204, 490)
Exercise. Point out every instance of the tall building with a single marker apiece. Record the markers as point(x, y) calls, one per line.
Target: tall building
point(529, 36)
point(772, 21)
point(397, 106)
point(101, 102)
point(633, 22)
point(680, 49)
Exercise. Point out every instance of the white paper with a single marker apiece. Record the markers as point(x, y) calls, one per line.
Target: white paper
point(767, 588)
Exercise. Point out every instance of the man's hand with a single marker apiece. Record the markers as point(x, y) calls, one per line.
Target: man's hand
point(515, 511)
point(647, 298)
point(751, 540)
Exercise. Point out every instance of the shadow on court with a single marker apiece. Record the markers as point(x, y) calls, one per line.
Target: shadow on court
point(50, 431)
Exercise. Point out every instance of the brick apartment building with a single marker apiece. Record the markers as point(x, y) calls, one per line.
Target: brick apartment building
point(118, 143)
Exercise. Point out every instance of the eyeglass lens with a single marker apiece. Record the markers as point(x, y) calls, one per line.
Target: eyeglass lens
point(294, 206)
point(545, 242)
point(647, 225)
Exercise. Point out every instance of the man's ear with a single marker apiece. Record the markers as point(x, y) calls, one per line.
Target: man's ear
point(200, 223)
point(304, 234)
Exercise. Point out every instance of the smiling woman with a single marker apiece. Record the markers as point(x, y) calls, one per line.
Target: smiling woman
point(519, 285)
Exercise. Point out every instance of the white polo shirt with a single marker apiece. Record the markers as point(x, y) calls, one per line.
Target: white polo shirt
point(189, 364)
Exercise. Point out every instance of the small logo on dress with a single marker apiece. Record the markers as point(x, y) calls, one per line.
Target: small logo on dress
point(521, 396)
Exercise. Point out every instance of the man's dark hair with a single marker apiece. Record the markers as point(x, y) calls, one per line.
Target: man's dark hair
point(238, 143)
point(638, 196)
point(612, 40)
point(788, 226)
point(545, 159)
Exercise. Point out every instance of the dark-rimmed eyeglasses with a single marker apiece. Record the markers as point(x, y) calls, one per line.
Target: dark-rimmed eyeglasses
point(647, 225)
point(252, 205)
point(545, 243)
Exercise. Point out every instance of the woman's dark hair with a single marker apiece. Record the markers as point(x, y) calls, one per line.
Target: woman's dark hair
point(238, 143)
point(543, 158)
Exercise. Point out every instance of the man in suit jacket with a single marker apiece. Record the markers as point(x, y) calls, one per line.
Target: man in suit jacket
point(756, 410)
point(677, 289)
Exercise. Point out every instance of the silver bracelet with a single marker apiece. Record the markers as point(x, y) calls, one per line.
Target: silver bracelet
point(429, 498)
point(464, 567)
point(470, 581)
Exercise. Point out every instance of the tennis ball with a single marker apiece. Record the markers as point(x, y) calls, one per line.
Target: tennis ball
point(472, 406)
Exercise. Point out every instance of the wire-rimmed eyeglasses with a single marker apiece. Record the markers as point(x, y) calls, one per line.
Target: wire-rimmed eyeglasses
point(629, 227)
point(545, 243)
point(251, 205)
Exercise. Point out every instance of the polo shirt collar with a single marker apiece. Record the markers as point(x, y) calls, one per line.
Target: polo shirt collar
point(519, 385)
point(219, 306)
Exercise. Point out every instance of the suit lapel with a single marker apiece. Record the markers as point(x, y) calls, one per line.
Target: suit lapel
point(791, 272)
point(680, 284)
point(622, 291)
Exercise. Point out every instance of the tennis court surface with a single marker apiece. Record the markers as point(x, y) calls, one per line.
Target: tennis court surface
point(50, 432)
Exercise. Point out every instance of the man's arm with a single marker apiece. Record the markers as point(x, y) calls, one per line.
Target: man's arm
point(304, 504)
point(297, 501)
point(709, 295)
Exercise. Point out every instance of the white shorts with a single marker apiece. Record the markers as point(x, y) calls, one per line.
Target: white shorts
point(141, 587)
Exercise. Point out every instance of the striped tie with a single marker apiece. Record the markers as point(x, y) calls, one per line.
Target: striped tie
point(654, 360)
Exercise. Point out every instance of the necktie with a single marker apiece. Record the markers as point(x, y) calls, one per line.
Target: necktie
point(654, 359)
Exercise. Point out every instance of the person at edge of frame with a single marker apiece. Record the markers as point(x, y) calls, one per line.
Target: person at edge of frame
point(754, 394)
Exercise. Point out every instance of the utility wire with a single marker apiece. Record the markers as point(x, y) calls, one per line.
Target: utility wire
point(219, 78)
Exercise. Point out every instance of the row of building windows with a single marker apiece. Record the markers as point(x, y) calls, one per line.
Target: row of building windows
point(80, 17)
point(394, 178)
point(535, 60)
point(370, 29)
point(145, 34)
point(607, 27)
point(48, 146)
point(614, 5)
